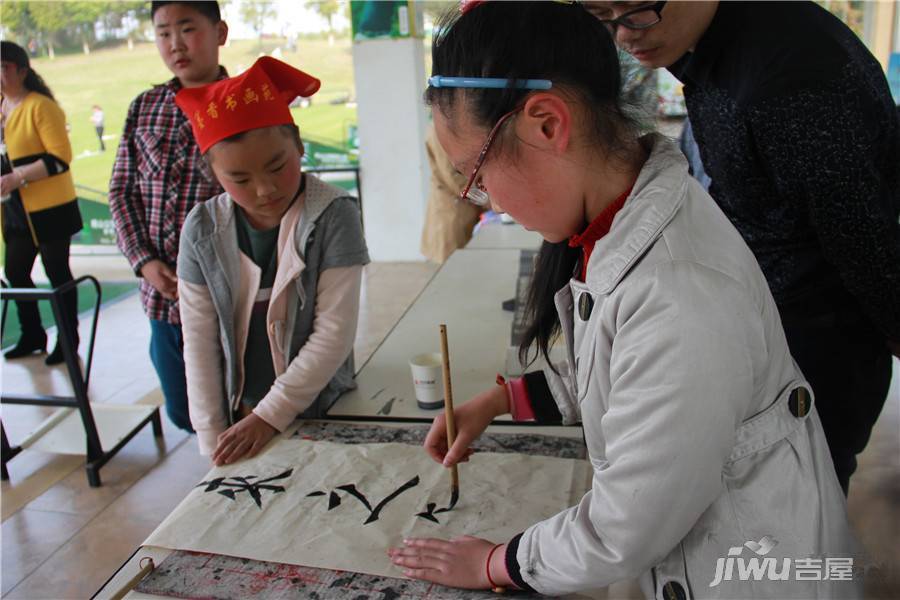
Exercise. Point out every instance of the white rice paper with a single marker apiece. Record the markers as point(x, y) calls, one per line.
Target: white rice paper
point(500, 496)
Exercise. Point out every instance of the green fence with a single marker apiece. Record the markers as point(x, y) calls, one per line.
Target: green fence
point(341, 161)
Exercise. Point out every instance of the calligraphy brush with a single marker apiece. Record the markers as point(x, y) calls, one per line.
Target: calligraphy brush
point(448, 414)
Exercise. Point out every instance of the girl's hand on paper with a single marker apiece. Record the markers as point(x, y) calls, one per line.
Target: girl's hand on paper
point(460, 562)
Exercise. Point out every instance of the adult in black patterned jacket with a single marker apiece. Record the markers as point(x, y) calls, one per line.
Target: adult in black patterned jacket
point(797, 128)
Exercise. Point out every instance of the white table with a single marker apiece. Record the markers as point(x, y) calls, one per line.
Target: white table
point(496, 236)
point(466, 294)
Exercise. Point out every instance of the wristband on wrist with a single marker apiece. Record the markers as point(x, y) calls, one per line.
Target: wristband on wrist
point(518, 402)
point(497, 589)
point(23, 181)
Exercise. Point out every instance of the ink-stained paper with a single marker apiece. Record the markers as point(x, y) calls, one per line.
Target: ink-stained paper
point(338, 506)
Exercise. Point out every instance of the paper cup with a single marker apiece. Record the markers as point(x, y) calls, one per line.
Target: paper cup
point(428, 379)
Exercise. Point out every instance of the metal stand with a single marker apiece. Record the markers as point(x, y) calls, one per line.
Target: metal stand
point(96, 457)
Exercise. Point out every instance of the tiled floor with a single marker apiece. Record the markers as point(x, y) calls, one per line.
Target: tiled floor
point(62, 539)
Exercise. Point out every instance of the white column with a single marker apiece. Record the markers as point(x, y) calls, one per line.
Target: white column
point(390, 80)
point(878, 28)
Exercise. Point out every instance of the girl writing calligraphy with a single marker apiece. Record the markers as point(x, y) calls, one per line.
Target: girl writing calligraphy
point(699, 426)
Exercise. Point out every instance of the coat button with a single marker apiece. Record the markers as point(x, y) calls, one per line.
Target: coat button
point(799, 402)
point(585, 306)
point(672, 590)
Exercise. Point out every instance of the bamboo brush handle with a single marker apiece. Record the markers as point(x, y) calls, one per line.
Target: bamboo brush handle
point(448, 400)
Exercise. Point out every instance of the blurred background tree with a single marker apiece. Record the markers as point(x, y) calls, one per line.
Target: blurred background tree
point(327, 9)
point(256, 14)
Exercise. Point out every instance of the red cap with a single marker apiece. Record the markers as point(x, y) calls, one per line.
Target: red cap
point(258, 97)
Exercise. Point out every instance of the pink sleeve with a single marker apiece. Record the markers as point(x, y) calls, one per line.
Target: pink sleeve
point(519, 402)
point(334, 329)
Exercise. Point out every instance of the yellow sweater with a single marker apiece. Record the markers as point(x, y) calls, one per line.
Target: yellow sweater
point(37, 127)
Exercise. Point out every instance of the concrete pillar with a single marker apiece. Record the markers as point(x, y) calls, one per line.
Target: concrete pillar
point(390, 80)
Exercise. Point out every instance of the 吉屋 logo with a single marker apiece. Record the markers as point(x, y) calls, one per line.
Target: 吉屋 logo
point(763, 546)
point(770, 568)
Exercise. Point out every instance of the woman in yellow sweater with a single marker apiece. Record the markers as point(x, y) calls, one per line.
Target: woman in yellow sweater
point(40, 209)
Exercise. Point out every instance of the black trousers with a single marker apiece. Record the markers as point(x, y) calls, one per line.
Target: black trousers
point(99, 131)
point(20, 255)
point(849, 367)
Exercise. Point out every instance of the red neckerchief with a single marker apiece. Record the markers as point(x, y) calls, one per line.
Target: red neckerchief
point(598, 228)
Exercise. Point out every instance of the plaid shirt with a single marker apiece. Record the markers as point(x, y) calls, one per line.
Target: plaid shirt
point(157, 179)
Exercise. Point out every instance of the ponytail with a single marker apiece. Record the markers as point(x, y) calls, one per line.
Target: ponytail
point(554, 265)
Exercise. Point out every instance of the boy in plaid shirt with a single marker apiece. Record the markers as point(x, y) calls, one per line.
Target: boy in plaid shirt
point(159, 176)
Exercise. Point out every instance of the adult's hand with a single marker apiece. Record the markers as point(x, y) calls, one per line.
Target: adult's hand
point(162, 277)
point(9, 183)
point(472, 418)
point(244, 439)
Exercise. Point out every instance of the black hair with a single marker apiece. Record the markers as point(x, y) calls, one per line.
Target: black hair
point(288, 130)
point(10, 52)
point(209, 9)
point(535, 40)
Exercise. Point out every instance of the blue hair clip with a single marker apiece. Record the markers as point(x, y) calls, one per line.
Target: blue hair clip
point(440, 81)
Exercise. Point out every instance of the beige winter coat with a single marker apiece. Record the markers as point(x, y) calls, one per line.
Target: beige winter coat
point(448, 221)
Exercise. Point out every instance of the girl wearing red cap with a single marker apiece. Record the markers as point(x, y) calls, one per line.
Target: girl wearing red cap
point(269, 272)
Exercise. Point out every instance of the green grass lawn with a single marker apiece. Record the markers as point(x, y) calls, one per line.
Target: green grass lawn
point(112, 77)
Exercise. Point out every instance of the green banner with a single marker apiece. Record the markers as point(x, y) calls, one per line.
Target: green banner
point(389, 19)
point(98, 225)
point(318, 153)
